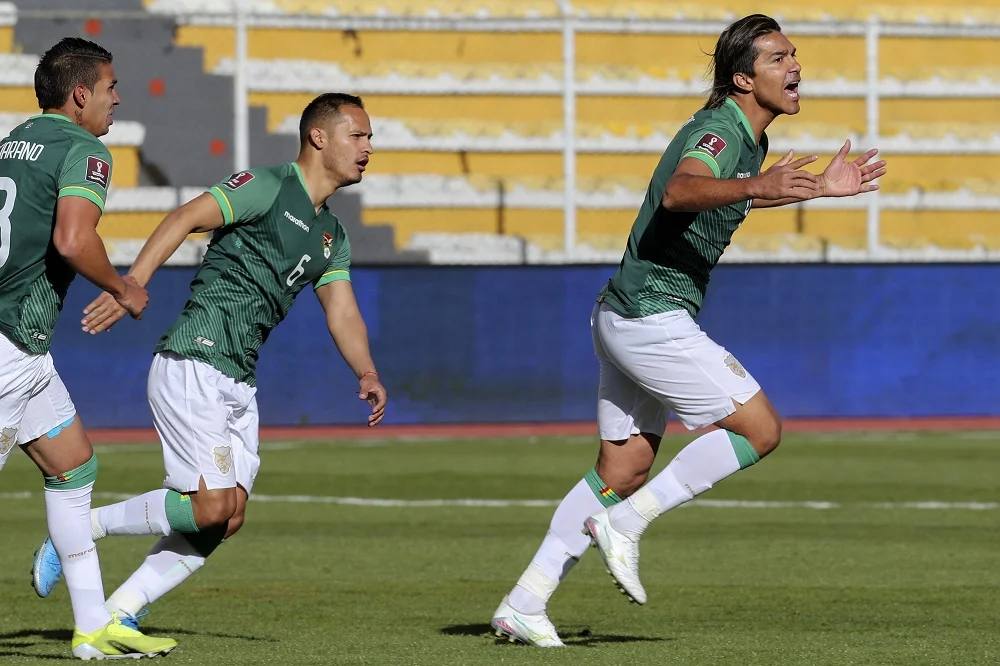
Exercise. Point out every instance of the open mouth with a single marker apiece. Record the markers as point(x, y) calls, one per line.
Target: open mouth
point(362, 164)
point(792, 91)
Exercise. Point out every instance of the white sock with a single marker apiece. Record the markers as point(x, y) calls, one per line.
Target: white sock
point(68, 516)
point(562, 548)
point(171, 561)
point(701, 464)
point(142, 515)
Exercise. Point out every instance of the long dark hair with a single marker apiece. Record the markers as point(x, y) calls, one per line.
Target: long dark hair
point(735, 53)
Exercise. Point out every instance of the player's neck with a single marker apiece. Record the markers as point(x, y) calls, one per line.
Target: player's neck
point(758, 117)
point(318, 183)
point(76, 118)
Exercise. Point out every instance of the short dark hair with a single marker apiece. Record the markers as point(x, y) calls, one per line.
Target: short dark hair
point(71, 62)
point(735, 53)
point(323, 107)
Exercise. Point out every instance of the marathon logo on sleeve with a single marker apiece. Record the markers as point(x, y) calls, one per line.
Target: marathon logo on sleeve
point(238, 180)
point(713, 144)
point(98, 171)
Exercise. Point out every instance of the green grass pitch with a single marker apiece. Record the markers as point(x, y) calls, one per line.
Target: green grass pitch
point(824, 554)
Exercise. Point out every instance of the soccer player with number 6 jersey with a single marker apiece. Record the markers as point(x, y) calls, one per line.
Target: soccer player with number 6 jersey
point(273, 235)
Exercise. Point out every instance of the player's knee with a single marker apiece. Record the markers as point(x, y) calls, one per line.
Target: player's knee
point(767, 436)
point(214, 508)
point(236, 522)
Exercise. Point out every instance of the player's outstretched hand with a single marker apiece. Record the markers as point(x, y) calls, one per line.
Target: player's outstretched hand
point(785, 180)
point(844, 179)
point(374, 393)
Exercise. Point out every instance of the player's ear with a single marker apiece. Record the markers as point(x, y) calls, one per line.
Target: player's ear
point(743, 82)
point(317, 138)
point(80, 95)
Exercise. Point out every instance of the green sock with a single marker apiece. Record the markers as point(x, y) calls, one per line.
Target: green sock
point(75, 478)
point(180, 512)
point(744, 451)
point(602, 491)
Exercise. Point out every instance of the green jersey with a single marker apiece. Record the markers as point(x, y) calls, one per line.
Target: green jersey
point(669, 255)
point(42, 160)
point(272, 244)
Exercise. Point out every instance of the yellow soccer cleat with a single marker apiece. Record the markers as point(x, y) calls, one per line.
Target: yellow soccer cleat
point(118, 640)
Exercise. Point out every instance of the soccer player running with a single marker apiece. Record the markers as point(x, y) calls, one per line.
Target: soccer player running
point(653, 357)
point(273, 235)
point(54, 178)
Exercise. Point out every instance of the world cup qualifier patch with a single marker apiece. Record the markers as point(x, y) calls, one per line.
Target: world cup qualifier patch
point(98, 171)
point(713, 144)
point(238, 180)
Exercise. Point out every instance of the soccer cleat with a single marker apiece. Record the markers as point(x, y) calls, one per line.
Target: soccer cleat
point(528, 628)
point(118, 640)
point(46, 570)
point(620, 555)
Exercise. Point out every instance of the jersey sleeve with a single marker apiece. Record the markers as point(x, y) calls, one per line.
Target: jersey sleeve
point(717, 145)
point(339, 265)
point(86, 172)
point(245, 196)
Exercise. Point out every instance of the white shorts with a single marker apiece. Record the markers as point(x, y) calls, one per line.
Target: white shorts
point(650, 365)
point(33, 399)
point(207, 423)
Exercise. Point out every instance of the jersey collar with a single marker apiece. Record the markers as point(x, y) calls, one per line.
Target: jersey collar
point(743, 119)
point(57, 116)
point(302, 182)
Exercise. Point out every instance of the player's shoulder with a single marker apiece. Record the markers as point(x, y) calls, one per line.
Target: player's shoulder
point(259, 179)
point(719, 119)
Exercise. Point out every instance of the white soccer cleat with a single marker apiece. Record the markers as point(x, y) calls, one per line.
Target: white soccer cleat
point(528, 628)
point(620, 555)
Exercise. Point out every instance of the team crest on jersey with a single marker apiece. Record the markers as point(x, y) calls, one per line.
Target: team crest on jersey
point(98, 171)
point(238, 180)
point(222, 456)
point(327, 245)
point(734, 366)
point(7, 438)
point(713, 144)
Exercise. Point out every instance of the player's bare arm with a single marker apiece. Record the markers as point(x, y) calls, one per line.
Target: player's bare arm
point(75, 239)
point(197, 216)
point(350, 334)
point(841, 178)
point(693, 187)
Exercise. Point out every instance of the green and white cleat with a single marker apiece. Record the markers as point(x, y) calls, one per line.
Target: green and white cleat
point(620, 555)
point(528, 628)
point(118, 640)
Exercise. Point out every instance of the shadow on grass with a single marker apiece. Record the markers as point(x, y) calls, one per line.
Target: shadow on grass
point(582, 637)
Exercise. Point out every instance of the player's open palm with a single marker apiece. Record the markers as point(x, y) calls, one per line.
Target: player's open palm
point(374, 393)
point(843, 178)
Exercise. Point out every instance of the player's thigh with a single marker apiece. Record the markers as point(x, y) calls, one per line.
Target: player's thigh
point(673, 359)
point(244, 428)
point(192, 419)
point(51, 432)
point(22, 377)
point(624, 408)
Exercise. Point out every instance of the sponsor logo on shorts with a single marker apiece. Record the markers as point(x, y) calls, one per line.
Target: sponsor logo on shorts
point(39, 336)
point(238, 180)
point(222, 456)
point(7, 438)
point(734, 366)
point(713, 144)
point(98, 171)
point(204, 341)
